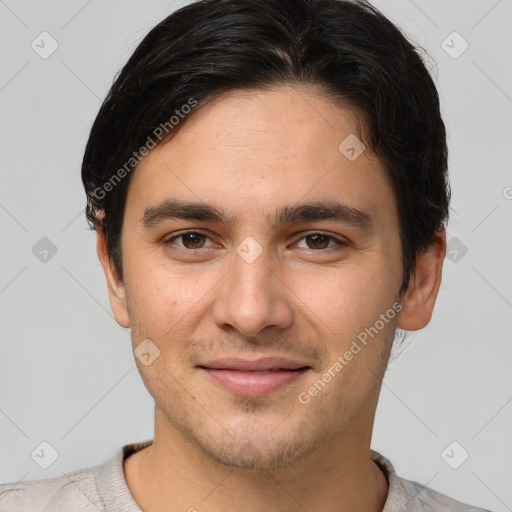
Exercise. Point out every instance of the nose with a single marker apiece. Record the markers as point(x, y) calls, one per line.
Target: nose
point(252, 297)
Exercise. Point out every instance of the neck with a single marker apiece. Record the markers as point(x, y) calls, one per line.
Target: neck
point(173, 474)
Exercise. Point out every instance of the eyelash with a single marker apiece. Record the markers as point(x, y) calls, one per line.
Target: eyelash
point(340, 244)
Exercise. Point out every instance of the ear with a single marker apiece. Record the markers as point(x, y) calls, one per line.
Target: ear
point(116, 289)
point(420, 297)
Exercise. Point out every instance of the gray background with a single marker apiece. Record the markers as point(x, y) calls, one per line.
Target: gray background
point(67, 374)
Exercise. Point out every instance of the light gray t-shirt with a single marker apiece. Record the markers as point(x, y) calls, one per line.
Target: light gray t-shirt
point(103, 489)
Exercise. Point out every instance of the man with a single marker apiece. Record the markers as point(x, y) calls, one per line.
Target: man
point(268, 184)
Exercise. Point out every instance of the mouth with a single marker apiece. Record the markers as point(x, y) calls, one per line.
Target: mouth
point(257, 378)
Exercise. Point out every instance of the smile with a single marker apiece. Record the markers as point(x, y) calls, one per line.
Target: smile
point(254, 378)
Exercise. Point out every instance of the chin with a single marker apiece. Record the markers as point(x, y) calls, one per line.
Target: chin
point(259, 452)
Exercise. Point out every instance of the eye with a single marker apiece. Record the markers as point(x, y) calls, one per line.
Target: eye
point(318, 241)
point(195, 240)
point(190, 240)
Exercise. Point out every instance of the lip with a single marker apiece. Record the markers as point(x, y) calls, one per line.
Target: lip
point(256, 378)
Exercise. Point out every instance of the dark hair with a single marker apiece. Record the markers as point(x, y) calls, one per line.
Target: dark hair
point(347, 48)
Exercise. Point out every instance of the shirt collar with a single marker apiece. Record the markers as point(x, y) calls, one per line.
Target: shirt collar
point(116, 497)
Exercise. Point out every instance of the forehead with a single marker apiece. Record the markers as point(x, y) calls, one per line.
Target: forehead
point(249, 149)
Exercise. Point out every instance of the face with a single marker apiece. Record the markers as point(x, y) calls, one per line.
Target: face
point(253, 297)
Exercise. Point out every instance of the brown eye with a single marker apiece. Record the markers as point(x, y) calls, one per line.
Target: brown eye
point(318, 241)
point(193, 240)
point(190, 240)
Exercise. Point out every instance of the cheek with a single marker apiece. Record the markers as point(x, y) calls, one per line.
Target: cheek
point(166, 303)
point(346, 299)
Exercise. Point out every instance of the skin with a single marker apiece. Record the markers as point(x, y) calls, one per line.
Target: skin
point(251, 153)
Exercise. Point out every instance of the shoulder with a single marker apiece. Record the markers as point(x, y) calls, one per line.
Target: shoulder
point(410, 496)
point(71, 491)
point(422, 498)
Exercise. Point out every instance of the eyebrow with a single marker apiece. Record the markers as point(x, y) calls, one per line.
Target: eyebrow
point(289, 214)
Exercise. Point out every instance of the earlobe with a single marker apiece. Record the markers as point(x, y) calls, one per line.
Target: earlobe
point(419, 299)
point(115, 286)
